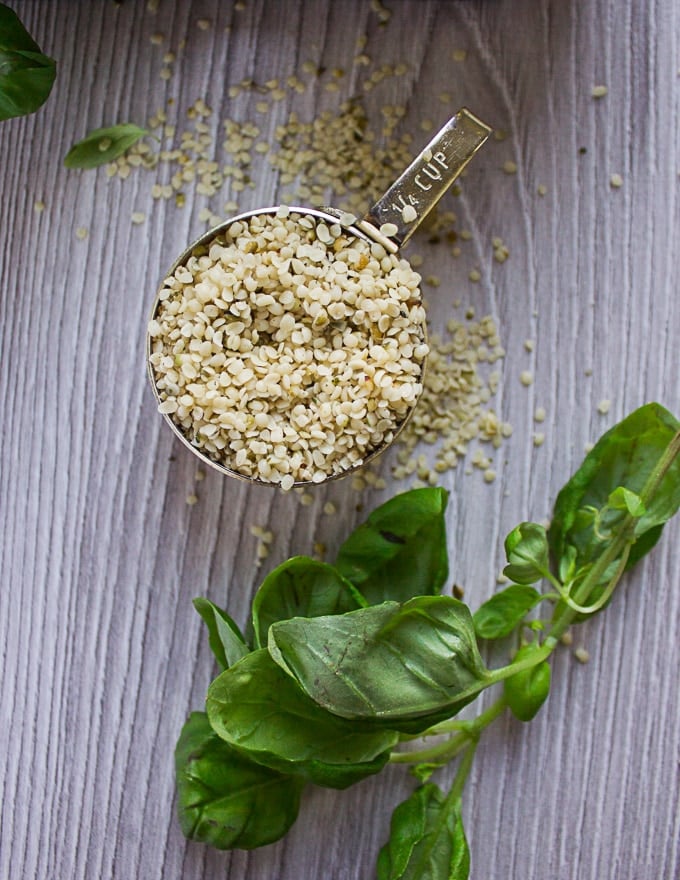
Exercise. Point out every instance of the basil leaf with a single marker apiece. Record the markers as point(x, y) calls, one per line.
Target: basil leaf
point(223, 798)
point(527, 690)
point(224, 636)
point(259, 710)
point(400, 551)
point(103, 145)
point(300, 587)
point(500, 614)
point(427, 839)
point(389, 662)
point(26, 75)
point(623, 459)
point(526, 549)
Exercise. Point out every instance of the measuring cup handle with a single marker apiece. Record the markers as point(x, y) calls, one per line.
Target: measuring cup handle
point(413, 195)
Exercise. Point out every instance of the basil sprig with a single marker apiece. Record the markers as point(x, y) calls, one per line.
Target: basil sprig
point(349, 660)
point(26, 75)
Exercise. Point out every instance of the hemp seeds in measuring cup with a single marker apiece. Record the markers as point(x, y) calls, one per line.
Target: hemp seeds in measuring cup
point(287, 345)
point(292, 349)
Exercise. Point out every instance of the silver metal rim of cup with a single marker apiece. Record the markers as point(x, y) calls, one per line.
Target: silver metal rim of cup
point(207, 238)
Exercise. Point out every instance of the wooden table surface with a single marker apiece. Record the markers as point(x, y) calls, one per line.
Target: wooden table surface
point(102, 653)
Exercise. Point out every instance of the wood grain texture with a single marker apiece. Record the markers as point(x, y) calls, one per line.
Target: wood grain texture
point(102, 653)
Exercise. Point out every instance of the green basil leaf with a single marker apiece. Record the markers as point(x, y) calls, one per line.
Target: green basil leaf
point(103, 145)
point(500, 614)
point(526, 549)
point(224, 636)
point(622, 460)
point(389, 662)
point(400, 551)
point(13, 35)
point(301, 587)
point(427, 839)
point(527, 690)
point(26, 75)
point(226, 800)
point(259, 710)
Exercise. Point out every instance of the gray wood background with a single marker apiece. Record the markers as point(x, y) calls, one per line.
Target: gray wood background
point(102, 655)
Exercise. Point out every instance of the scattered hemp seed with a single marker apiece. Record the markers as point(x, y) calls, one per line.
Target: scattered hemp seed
point(409, 214)
point(616, 181)
point(500, 135)
point(475, 275)
point(501, 578)
point(157, 39)
point(588, 448)
point(489, 475)
point(39, 207)
point(599, 91)
point(81, 233)
point(603, 407)
point(539, 438)
point(500, 250)
point(191, 500)
point(582, 655)
point(510, 167)
point(329, 508)
point(529, 345)
point(306, 499)
point(539, 414)
point(388, 229)
point(203, 24)
point(567, 639)
point(165, 73)
point(459, 55)
point(526, 377)
point(199, 476)
point(541, 189)
point(138, 217)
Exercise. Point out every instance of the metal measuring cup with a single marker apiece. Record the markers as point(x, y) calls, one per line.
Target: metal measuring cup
point(390, 222)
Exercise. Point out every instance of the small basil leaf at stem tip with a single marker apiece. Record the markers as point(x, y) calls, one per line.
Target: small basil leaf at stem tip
point(26, 75)
point(223, 798)
point(526, 549)
point(103, 145)
point(301, 587)
point(527, 690)
point(262, 713)
point(394, 664)
point(504, 611)
point(224, 636)
point(623, 499)
point(400, 551)
point(427, 839)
